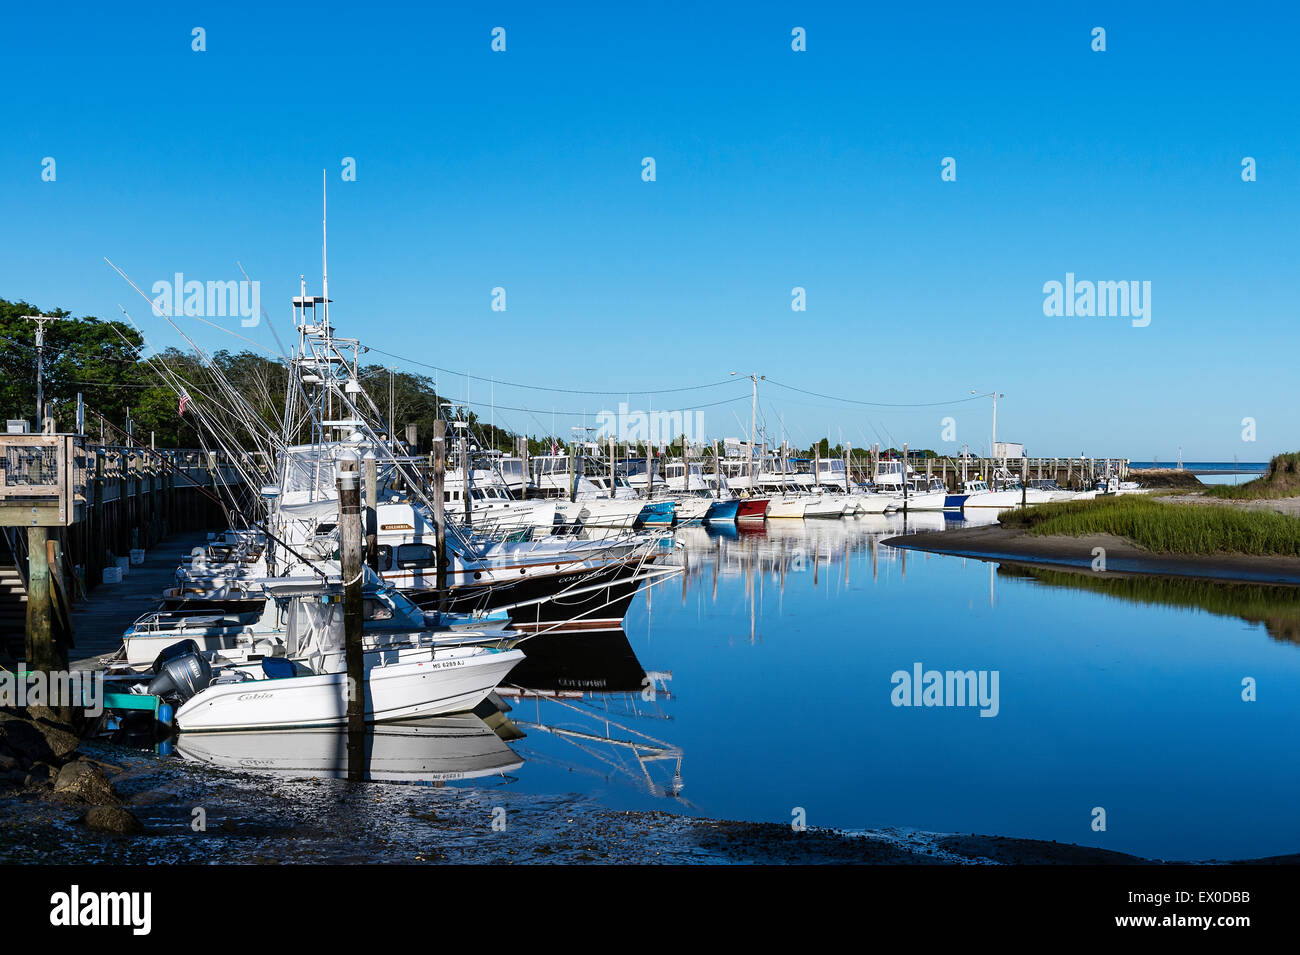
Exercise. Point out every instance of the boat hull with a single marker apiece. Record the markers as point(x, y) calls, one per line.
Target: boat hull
point(584, 599)
point(722, 512)
point(403, 690)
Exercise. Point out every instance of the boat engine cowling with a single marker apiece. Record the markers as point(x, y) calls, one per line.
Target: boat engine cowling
point(181, 677)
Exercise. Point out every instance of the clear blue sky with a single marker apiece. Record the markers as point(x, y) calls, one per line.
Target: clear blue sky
point(775, 169)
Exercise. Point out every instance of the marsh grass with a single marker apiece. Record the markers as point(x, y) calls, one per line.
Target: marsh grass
point(1282, 480)
point(1165, 528)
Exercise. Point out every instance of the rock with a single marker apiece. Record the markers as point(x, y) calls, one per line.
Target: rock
point(23, 738)
point(7, 763)
point(85, 781)
point(38, 775)
point(113, 819)
point(60, 737)
point(37, 739)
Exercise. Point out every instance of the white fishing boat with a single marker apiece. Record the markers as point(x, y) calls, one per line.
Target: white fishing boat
point(925, 496)
point(787, 506)
point(828, 506)
point(308, 685)
point(980, 495)
point(399, 684)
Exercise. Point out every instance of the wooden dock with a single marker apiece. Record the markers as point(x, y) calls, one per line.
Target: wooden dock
point(70, 510)
point(99, 620)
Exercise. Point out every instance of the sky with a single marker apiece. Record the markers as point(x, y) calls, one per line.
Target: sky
point(775, 169)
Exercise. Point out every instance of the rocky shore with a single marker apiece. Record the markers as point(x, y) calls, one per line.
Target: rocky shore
point(40, 759)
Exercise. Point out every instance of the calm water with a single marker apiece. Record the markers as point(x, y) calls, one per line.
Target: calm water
point(770, 660)
point(1241, 471)
point(781, 645)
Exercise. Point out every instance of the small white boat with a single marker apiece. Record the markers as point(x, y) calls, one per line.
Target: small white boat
point(828, 505)
point(304, 683)
point(787, 507)
point(875, 502)
point(979, 495)
point(400, 684)
point(925, 497)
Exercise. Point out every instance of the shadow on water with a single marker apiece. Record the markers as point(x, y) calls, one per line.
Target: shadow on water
point(1276, 607)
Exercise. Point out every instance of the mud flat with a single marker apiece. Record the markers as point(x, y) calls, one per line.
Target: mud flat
point(249, 818)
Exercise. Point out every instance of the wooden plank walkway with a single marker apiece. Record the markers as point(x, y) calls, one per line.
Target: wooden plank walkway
point(100, 620)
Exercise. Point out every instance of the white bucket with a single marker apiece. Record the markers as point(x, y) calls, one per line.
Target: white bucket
point(137, 556)
point(123, 565)
point(112, 575)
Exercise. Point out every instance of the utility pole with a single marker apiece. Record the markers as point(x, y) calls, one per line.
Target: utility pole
point(753, 426)
point(995, 396)
point(40, 321)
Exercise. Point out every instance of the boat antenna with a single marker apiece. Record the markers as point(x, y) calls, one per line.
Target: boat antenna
point(324, 253)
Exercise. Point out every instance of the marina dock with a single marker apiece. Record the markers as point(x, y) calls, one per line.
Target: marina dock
point(108, 610)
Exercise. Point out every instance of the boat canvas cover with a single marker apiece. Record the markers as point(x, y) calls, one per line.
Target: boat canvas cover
point(314, 632)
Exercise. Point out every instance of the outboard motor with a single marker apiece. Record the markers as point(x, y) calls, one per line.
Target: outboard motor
point(182, 672)
point(172, 652)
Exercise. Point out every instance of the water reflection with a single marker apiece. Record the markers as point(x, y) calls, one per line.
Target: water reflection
point(586, 706)
point(1277, 607)
point(434, 750)
point(581, 702)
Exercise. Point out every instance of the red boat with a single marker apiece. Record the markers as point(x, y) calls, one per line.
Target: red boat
point(752, 509)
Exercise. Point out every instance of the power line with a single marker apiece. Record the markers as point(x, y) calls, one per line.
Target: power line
point(567, 391)
point(874, 404)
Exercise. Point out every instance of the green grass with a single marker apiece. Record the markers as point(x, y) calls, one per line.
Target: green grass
point(1165, 528)
point(1282, 480)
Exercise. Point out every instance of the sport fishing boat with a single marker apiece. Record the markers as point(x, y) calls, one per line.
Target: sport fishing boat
point(299, 679)
point(926, 495)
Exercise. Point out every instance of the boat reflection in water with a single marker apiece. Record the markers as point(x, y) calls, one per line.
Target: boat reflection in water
point(586, 705)
point(438, 749)
point(581, 701)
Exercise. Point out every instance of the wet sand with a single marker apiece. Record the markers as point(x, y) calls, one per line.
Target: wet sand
point(251, 818)
point(995, 542)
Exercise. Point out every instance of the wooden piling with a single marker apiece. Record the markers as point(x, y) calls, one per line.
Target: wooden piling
point(348, 483)
point(371, 466)
point(39, 644)
point(439, 508)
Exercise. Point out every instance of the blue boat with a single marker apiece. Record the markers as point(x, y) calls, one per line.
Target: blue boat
point(954, 502)
point(656, 514)
point(722, 511)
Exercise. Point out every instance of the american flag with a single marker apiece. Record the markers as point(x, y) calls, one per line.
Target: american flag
point(185, 400)
point(555, 448)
